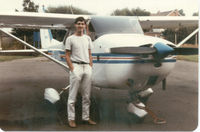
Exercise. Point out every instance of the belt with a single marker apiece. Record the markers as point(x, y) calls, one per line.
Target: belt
point(79, 62)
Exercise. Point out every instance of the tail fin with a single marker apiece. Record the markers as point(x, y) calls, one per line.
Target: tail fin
point(46, 38)
point(45, 34)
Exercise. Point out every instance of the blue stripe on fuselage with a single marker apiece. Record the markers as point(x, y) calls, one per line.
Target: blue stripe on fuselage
point(112, 55)
point(130, 61)
point(120, 61)
point(110, 61)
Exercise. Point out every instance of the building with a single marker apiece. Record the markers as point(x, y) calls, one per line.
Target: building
point(167, 13)
point(158, 32)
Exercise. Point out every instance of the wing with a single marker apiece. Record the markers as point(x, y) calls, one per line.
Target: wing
point(37, 20)
point(53, 20)
point(173, 22)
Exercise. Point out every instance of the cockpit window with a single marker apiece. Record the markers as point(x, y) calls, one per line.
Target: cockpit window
point(115, 24)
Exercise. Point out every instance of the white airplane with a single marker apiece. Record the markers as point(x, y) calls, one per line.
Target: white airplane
point(123, 57)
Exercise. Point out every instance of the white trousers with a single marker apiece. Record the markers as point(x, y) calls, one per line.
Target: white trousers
point(80, 77)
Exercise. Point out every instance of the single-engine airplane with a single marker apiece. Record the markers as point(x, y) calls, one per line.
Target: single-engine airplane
point(123, 57)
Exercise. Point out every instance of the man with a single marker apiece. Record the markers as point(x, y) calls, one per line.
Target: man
point(79, 59)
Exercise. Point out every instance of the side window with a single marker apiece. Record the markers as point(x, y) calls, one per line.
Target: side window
point(91, 32)
point(68, 33)
point(65, 37)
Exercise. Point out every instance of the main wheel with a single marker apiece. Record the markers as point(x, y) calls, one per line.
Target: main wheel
point(135, 119)
point(144, 99)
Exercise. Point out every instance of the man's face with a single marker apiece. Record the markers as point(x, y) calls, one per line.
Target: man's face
point(80, 26)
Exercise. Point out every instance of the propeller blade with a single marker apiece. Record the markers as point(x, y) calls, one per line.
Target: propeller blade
point(185, 51)
point(133, 50)
point(160, 50)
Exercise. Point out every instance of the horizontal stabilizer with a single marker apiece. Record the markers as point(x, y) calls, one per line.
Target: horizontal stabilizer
point(133, 50)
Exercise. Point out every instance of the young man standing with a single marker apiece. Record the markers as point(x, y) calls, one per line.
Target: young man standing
point(79, 59)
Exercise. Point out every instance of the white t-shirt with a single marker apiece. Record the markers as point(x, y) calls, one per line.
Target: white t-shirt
point(79, 45)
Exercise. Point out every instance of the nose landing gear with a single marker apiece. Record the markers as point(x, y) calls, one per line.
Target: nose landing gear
point(138, 100)
point(138, 109)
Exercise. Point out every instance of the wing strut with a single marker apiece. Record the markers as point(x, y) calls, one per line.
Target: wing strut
point(188, 37)
point(36, 50)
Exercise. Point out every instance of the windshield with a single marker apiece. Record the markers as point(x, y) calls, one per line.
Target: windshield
point(115, 24)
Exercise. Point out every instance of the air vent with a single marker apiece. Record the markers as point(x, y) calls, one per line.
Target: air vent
point(146, 45)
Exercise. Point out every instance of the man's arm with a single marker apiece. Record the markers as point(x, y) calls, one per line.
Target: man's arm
point(90, 57)
point(68, 60)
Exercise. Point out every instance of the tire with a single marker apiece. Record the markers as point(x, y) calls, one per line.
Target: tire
point(135, 119)
point(144, 99)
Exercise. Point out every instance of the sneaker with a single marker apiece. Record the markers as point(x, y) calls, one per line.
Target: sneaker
point(72, 123)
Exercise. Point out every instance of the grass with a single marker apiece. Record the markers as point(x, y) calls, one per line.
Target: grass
point(9, 58)
point(193, 58)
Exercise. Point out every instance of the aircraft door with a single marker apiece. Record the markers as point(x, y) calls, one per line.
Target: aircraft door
point(91, 32)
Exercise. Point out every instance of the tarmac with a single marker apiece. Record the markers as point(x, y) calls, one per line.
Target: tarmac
point(22, 105)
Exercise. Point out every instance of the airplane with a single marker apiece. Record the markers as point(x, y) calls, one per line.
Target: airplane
point(123, 57)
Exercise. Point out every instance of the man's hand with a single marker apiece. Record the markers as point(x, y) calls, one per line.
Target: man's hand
point(68, 60)
point(90, 57)
point(72, 69)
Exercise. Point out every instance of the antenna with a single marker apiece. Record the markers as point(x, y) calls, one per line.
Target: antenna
point(43, 8)
point(71, 7)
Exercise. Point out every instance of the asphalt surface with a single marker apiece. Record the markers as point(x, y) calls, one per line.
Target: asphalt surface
point(22, 105)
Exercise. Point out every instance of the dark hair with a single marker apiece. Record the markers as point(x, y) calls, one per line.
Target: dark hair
point(79, 19)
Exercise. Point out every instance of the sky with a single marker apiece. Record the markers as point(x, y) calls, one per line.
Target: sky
point(106, 7)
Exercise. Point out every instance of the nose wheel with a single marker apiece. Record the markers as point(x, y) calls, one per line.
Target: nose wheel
point(138, 100)
point(138, 109)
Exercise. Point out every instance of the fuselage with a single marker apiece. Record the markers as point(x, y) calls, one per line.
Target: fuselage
point(117, 71)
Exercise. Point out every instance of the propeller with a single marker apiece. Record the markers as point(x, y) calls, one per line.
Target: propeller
point(159, 51)
point(133, 50)
point(159, 48)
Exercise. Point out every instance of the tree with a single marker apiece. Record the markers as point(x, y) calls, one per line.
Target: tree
point(181, 12)
point(28, 6)
point(67, 10)
point(132, 12)
point(181, 34)
point(169, 35)
point(195, 14)
point(59, 34)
